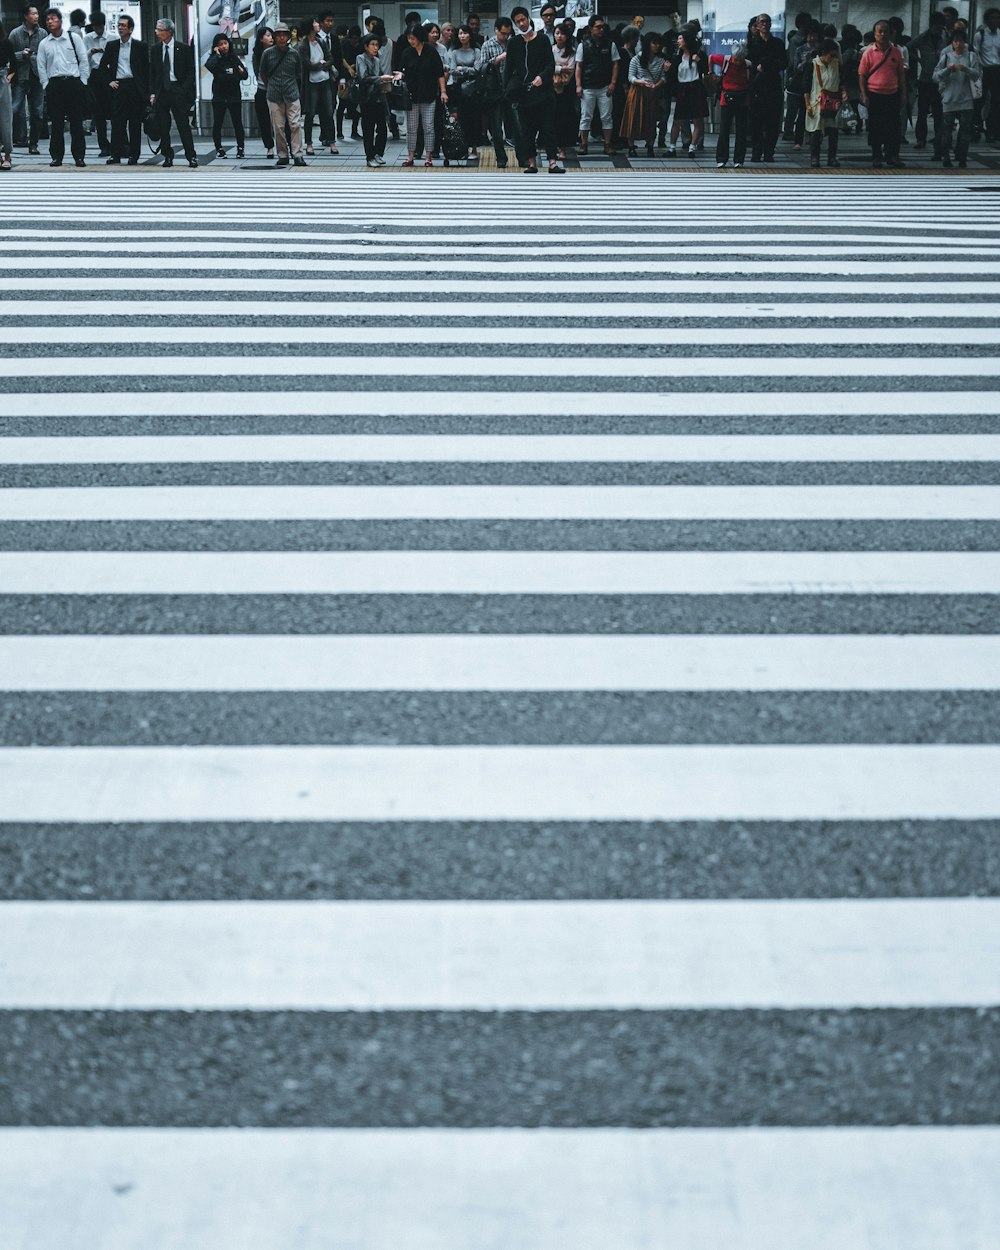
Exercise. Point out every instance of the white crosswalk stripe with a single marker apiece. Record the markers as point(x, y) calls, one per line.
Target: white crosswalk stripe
point(500, 736)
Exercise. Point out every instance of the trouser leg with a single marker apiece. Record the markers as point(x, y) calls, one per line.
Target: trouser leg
point(76, 106)
point(991, 88)
point(293, 115)
point(264, 120)
point(740, 150)
point(278, 128)
point(815, 146)
point(725, 127)
point(55, 101)
point(965, 122)
point(6, 117)
point(178, 106)
point(832, 144)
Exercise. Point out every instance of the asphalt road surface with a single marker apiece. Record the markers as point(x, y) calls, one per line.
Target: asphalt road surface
point(500, 742)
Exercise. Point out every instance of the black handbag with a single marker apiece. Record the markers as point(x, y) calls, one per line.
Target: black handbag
point(490, 86)
point(517, 91)
point(399, 98)
point(151, 125)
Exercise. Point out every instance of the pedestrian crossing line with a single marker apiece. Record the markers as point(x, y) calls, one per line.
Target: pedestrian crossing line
point(544, 662)
point(434, 313)
point(88, 784)
point(499, 449)
point(499, 573)
point(538, 1189)
point(236, 264)
point(487, 502)
point(528, 956)
point(471, 282)
point(371, 337)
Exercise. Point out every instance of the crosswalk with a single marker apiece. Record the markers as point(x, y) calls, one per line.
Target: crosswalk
point(500, 734)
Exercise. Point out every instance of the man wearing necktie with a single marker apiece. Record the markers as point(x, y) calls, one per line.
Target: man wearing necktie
point(125, 67)
point(173, 90)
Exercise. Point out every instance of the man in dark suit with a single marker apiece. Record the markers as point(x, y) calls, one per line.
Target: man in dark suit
point(125, 68)
point(172, 88)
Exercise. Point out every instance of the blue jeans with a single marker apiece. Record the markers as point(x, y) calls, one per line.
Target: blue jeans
point(32, 97)
point(964, 119)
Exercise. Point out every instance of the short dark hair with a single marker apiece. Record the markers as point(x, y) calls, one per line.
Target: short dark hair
point(418, 32)
point(517, 11)
point(548, 5)
point(830, 47)
point(48, 13)
point(127, 17)
point(327, 14)
point(411, 17)
point(27, 9)
point(501, 22)
point(77, 17)
point(937, 19)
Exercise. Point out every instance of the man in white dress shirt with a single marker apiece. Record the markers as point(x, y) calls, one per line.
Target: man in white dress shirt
point(63, 71)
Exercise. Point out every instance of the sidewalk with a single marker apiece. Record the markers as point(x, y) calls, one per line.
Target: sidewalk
point(854, 155)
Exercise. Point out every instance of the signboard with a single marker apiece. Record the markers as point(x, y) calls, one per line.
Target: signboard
point(725, 24)
point(240, 19)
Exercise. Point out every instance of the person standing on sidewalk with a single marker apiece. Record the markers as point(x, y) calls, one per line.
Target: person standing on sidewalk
point(8, 66)
point(596, 79)
point(27, 93)
point(228, 73)
point(530, 69)
point(281, 77)
point(373, 87)
point(925, 50)
point(63, 71)
point(882, 77)
point(499, 115)
point(956, 71)
point(125, 66)
point(172, 91)
point(768, 61)
point(986, 45)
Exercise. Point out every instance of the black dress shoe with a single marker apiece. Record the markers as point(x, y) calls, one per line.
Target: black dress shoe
point(31, 151)
point(133, 160)
point(167, 162)
point(192, 162)
point(113, 160)
point(80, 164)
point(54, 164)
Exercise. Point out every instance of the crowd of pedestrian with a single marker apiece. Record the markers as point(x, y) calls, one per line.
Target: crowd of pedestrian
point(540, 92)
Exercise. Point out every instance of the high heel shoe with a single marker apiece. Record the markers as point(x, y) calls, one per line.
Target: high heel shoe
point(428, 164)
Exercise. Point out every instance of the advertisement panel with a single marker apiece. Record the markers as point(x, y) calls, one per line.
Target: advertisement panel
point(725, 23)
point(240, 19)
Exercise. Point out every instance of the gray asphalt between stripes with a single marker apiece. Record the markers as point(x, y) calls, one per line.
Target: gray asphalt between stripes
point(501, 860)
point(615, 421)
point(440, 718)
point(489, 1069)
point(499, 535)
point(499, 614)
point(374, 473)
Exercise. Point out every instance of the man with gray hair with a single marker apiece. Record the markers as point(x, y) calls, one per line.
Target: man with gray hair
point(172, 87)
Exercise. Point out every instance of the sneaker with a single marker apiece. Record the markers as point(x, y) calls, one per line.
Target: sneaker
point(221, 153)
point(372, 164)
point(672, 150)
point(692, 152)
point(737, 164)
point(722, 165)
point(379, 160)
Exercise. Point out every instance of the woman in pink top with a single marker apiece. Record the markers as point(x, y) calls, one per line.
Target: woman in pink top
point(882, 79)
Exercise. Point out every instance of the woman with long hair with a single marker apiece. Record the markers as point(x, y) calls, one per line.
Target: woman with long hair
point(264, 40)
point(317, 90)
point(463, 66)
point(566, 117)
point(646, 76)
point(692, 102)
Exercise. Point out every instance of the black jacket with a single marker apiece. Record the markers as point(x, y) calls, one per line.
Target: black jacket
point(183, 71)
point(528, 60)
point(227, 74)
point(138, 59)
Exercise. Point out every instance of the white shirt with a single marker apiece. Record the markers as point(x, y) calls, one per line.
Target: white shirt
point(615, 56)
point(95, 45)
point(987, 45)
point(61, 58)
point(125, 59)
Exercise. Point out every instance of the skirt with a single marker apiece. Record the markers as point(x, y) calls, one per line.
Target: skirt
point(692, 103)
point(642, 111)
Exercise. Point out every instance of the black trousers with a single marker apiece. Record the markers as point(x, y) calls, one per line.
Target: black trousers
point(731, 119)
point(883, 125)
point(765, 124)
point(264, 119)
point(816, 144)
point(374, 128)
point(127, 109)
point(102, 111)
point(929, 101)
point(66, 100)
point(535, 129)
point(501, 121)
point(234, 105)
point(170, 103)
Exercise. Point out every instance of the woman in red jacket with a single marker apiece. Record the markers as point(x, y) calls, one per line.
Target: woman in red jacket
point(734, 104)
